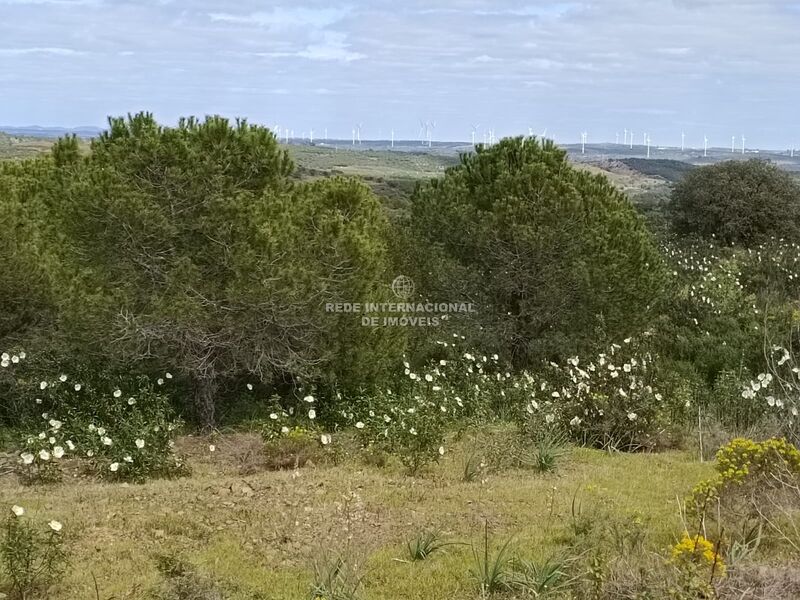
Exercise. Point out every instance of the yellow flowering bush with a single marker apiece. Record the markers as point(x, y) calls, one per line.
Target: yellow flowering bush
point(742, 465)
point(698, 552)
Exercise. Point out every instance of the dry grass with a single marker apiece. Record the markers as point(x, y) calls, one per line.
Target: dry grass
point(258, 534)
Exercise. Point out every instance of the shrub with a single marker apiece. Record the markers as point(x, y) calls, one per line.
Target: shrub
point(31, 557)
point(119, 425)
point(518, 230)
point(747, 474)
point(738, 202)
point(610, 401)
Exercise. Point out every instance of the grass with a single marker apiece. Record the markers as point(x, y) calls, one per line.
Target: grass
point(260, 535)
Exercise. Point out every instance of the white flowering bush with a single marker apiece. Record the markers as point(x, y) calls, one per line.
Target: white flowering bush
point(31, 556)
point(607, 401)
point(777, 389)
point(120, 427)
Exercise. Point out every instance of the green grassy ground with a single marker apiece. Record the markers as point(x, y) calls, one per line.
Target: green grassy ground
point(258, 535)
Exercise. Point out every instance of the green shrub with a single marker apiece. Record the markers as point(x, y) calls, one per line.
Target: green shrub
point(610, 401)
point(31, 556)
point(738, 202)
point(121, 427)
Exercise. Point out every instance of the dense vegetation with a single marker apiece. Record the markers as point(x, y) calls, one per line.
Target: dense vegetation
point(171, 274)
point(738, 202)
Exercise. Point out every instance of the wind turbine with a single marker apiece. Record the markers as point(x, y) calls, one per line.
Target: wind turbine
point(683, 141)
point(617, 139)
point(311, 136)
point(354, 136)
point(392, 138)
point(358, 132)
point(743, 141)
point(584, 135)
point(631, 139)
point(625, 139)
point(733, 144)
point(431, 127)
point(474, 131)
point(705, 145)
point(647, 141)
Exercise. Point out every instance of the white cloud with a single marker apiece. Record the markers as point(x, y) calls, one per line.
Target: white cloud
point(53, 51)
point(284, 18)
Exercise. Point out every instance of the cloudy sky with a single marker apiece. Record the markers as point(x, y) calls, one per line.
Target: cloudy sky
point(721, 67)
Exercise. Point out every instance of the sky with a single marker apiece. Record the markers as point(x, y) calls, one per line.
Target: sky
point(704, 67)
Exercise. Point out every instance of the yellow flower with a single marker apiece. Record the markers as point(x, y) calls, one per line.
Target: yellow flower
point(699, 551)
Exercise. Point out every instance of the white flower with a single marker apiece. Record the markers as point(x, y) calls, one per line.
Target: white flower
point(212, 448)
point(27, 458)
point(549, 418)
point(284, 429)
point(632, 416)
point(273, 416)
point(575, 421)
point(43, 385)
point(325, 438)
point(428, 377)
point(160, 381)
point(312, 414)
point(44, 455)
point(113, 467)
point(441, 450)
point(250, 387)
point(140, 444)
point(106, 440)
point(168, 375)
point(117, 393)
point(58, 452)
point(56, 425)
point(78, 387)
point(131, 401)
point(308, 399)
point(55, 526)
point(70, 445)
point(359, 425)
point(17, 510)
point(62, 378)
point(128, 459)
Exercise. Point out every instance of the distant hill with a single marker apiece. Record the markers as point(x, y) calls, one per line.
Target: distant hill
point(670, 170)
point(36, 131)
point(13, 146)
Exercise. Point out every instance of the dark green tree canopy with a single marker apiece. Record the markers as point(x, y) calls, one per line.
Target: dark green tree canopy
point(738, 202)
point(548, 252)
point(194, 248)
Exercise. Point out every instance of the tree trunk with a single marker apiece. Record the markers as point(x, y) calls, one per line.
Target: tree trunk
point(205, 402)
